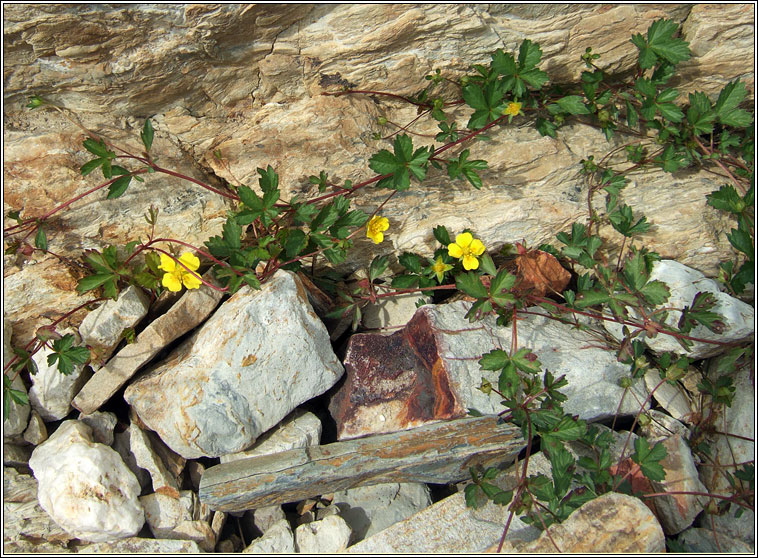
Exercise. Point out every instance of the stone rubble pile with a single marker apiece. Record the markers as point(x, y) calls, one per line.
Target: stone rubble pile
point(219, 441)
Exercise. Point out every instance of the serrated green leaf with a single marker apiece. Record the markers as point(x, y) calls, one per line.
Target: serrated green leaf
point(655, 292)
point(89, 166)
point(494, 360)
point(118, 187)
point(377, 267)
point(410, 261)
point(92, 281)
point(648, 459)
point(573, 104)
point(527, 361)
point(741, 240)
point(471, 284)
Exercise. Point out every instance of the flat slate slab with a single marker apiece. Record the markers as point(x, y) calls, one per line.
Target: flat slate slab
point(439, 453)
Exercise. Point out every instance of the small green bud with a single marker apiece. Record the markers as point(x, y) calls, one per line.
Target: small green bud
point(465, 81)
point(604, 115)
point(644, 420)
point(35, 101)
point(625, 382)
point(381, 120)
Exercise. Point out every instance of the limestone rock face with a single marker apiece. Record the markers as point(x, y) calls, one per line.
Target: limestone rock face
point(246, 81)
point(86, 487)
point(257, 358)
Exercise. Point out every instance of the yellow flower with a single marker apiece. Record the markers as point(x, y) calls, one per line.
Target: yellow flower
point(176, 275)
point(439, 268)
point(466, 248)
point(514, 109)
point(375, 227)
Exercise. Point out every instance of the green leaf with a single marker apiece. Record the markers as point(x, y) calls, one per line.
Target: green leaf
point(699, 312)
point(573, 104)
point(89, 166)
point(621, 219)
point(411, 262)
point(526, 360)
point(405, 281)
point(232, 233)
point(118, 187)
point(67, 355)
point(40, 239)
point(648, 459)
point(655, 292)
point(546, 127)
point(726, 105)
point(529, 55)
point(442, 235)
point(741, 240)
point(486, 264)
point(727, 198)
point(471, 284)
point(93, 281)
point(98, 148)
point(592, 298)
point(296, 242)
point(494, 360)
point(147, 135)
point(660, 44)
point(377, 267)
point(401, 165)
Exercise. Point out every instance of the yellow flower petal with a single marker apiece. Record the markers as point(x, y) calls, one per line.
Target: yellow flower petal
point(477, 248)
point(190, 281)
point(454, 251)
point(463, 240)
point(190, 260)
point(167, 263)
point(171, 282)
point(375, 227)
point(470, 262)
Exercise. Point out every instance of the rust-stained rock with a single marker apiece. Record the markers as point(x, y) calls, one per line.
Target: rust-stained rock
point(394, 382)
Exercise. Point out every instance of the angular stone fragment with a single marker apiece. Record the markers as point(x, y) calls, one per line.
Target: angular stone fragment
point(610, 524)
point(102, 425)
point(18, 487)
point(189, 311)
point(684, 283)
point(330, 535)
point(101, 329)
point(263, 353)
point(277, 539)
point(446, 527)
point(438, 453)
point(429, 371)
point(141, 447)
point(705, 541)
point(85, 486)
point(35, 432)
point(369, 509)
point(182, 517)
point(677, 511)
point(298, 430)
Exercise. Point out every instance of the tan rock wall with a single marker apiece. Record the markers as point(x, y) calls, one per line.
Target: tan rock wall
point(247, 80)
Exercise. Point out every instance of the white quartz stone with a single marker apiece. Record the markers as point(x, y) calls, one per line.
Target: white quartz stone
point(85, 486)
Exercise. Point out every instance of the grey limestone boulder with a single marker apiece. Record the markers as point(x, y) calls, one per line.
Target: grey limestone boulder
point(263, 353)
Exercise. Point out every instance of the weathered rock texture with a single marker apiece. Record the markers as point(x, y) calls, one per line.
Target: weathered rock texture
point(85, 486)
point(238, 376)
point(246, 80)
